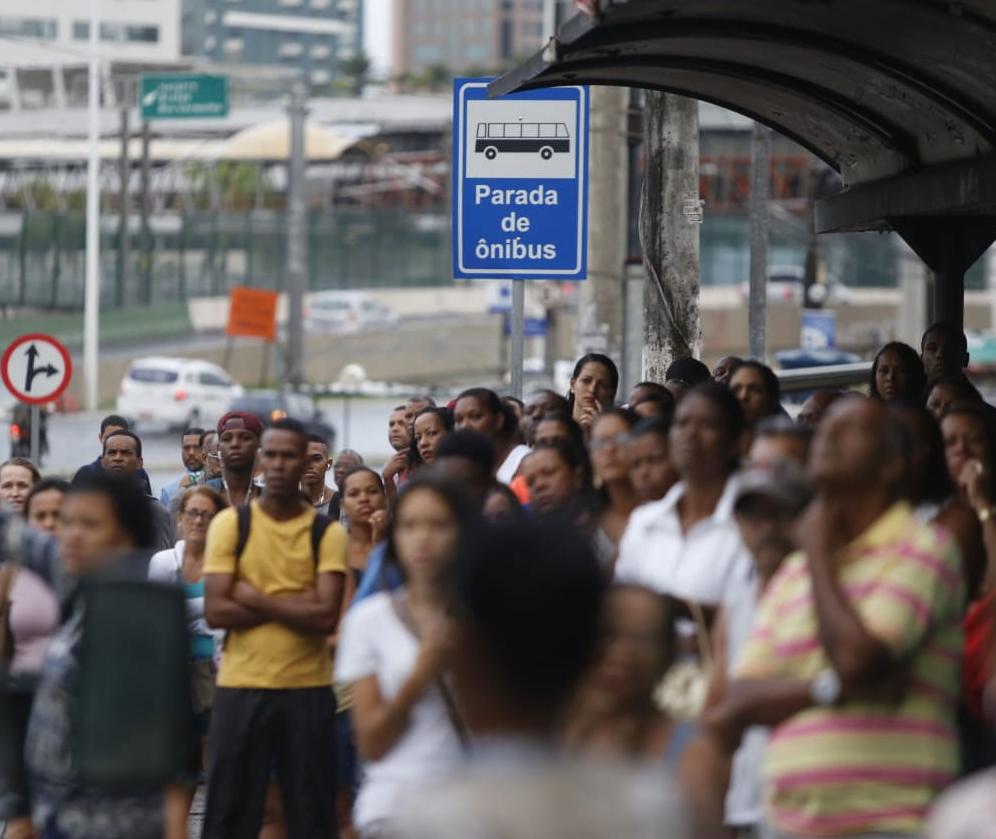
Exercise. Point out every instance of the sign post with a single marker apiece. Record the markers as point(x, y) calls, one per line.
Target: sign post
point(36, 369)
point(183, 96)
point(252, 313)
point(520, 191)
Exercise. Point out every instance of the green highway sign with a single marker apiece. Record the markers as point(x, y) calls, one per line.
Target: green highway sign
point(183, 96)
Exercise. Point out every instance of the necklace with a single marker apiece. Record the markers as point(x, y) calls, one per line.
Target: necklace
point(228, 492)
point(321, 501)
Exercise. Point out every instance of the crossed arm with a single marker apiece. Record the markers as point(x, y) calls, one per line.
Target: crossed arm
point(235, 604)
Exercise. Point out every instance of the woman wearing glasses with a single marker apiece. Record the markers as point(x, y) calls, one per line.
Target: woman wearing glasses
point(183, 565)
point(617, 499)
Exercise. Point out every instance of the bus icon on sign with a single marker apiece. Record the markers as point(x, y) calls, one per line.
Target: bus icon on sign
point(546, 138)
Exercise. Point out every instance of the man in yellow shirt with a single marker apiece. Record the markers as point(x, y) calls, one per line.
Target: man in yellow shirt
point(274, 579)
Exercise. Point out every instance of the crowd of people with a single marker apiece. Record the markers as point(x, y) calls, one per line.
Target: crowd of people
point(677, 612)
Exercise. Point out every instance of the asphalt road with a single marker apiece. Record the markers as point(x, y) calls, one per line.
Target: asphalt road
point(73, 438)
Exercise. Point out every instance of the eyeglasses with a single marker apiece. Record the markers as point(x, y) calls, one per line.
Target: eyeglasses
point(198, 515)
point(618, 441)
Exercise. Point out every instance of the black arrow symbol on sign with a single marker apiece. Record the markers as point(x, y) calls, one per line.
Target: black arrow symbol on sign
point(29, 377)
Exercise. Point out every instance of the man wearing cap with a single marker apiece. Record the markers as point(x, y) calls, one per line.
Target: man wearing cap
point(769, 500)
point(855, 655)
point(683, 374)
point(239, 434)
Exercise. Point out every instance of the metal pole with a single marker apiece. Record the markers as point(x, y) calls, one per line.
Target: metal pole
point(144, 211)
point(125, 176)
point(35, 435)
point(91, 306)
point(760, 195)
point(297, 236)
point(518, 336)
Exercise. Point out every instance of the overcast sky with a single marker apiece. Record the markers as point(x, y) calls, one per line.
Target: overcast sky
point(377, 34)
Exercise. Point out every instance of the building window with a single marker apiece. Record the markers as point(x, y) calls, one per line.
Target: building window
point(290, 49)
point(118, 33)
point(28, 27)
point(320, 4)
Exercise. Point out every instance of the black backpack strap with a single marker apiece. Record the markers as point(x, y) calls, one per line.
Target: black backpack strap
point(318, 528)
point(244, 515)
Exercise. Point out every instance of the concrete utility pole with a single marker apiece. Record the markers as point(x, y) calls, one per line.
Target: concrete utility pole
point(760, 195)
point(123, 198)
point(600, 308)
point(670, 214)
point(91, 298)
point(297, 235)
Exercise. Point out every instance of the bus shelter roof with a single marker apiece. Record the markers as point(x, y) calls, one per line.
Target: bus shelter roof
point(898, 96)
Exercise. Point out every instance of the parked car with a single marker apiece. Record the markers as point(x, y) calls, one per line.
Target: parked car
point(271, 405)
point(346, 311)
point(176, 392)
point(786, 283)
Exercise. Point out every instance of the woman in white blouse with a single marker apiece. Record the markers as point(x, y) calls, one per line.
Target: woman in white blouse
point(393, 651)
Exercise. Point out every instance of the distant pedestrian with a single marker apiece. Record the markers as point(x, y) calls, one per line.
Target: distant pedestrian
point(683, 374)
point(479, 409)
point(274, 576)
point(816, 406)
point(650, 469)
point(467, 458)
point(45, 503)
point(897, 375)
point(756, 387)
point(594, 385)
point(183, 565)
point(239, 436)
point(416, 404)
point(399, 435)
point(17, 476)
point(342, 464)
point(212, 456)
point(192, 455)
point(725, 368)
point(944, 352)
point(108, 425)
point(314, 482)
point(609, 446)
point(540, 403)
point(123, 457)
point(778, 439)
point(431, 426)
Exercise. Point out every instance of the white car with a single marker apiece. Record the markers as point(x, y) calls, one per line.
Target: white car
point(346, 311)
point(176, 392)
point(786, 282)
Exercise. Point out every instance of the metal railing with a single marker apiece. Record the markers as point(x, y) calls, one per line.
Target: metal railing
point(836, 376)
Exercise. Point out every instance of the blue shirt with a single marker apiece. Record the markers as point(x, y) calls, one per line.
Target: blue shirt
point(379, 575)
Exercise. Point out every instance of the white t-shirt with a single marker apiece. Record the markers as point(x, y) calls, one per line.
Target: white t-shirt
point(506, 472)
point(709, 564)
point(374, 642)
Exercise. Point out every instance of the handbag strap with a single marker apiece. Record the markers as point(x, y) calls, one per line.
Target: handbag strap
point(456, 720)
point(701, 633)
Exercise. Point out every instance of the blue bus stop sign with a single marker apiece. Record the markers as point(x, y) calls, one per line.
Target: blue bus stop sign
point(520, 185)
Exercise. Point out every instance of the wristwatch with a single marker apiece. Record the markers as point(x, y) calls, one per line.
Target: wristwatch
point(825, 689)
point(985, 514)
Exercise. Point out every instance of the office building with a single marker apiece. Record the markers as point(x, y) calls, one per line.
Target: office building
point(461, 35)
point(314, 36)
point(46, 46)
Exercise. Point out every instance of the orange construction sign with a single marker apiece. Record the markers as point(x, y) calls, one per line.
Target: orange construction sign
point(252, 313)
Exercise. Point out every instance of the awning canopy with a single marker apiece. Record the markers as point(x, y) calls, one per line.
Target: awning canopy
point(899, 96)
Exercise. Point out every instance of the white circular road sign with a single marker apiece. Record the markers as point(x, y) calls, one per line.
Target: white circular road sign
point(36, 368)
